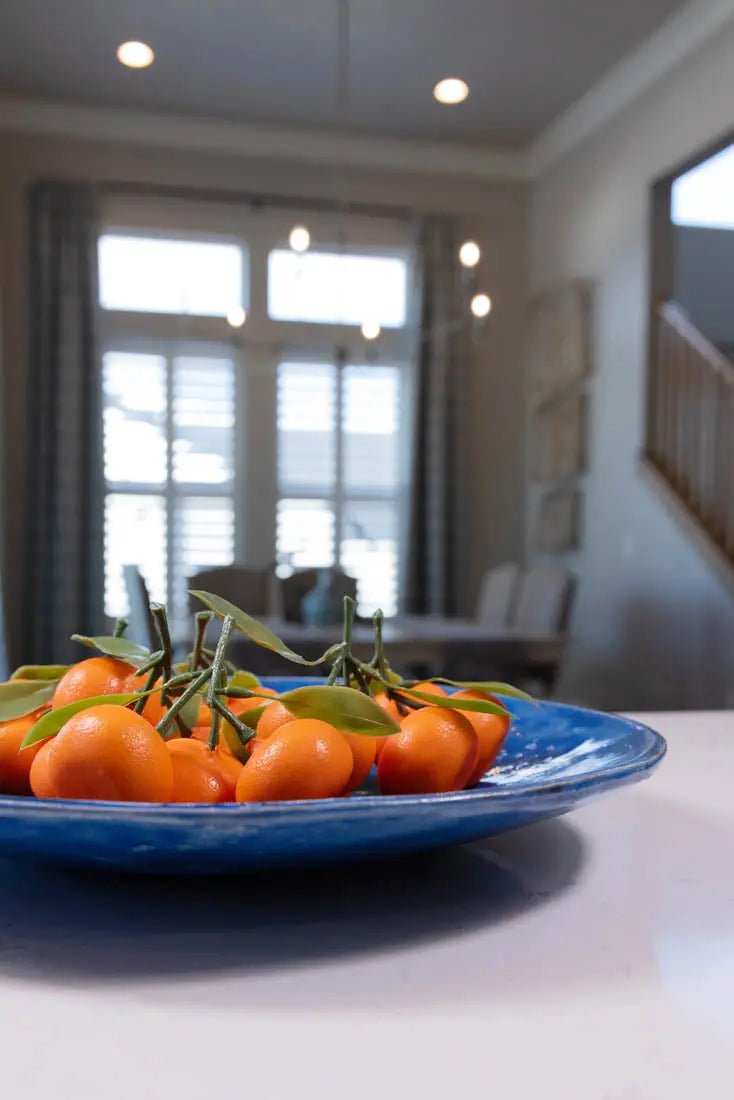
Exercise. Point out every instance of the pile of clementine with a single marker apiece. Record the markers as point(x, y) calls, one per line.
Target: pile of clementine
point(109, 752)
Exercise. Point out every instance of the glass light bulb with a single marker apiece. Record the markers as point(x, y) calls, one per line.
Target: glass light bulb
point(299, 238)
point(469, 254)
point(135, 55)
point(481, 305)
point(451, 90)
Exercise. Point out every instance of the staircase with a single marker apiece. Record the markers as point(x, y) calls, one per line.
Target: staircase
point(689, 449)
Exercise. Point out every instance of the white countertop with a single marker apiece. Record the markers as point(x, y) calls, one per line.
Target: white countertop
point(586, 958)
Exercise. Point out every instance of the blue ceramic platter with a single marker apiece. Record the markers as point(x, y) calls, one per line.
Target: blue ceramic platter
point(555, 758)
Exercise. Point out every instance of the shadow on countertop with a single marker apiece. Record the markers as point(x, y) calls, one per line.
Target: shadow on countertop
point(74, 928)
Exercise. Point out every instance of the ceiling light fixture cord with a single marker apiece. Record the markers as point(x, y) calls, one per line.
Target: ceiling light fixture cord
point(343, 106)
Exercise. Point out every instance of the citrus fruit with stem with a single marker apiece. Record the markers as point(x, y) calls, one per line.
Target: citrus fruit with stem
point(197, 775)
point(491, 729)
point(15, 764)
point(436, 750)
point(272, 718)
point(230, 770)
point(109, 752)
point(391, 707)
point(94, 676)
point(39, 780)
point(364, 749)
point(427, 687)
point(306, 758)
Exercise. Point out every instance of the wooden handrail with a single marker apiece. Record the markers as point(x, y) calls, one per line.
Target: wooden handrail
point(675, 316)
point(690, 431)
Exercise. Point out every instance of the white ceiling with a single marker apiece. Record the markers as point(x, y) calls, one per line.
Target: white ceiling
point(526, 61)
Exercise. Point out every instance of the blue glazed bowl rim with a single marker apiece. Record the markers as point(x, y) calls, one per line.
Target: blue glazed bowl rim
point(640, 762)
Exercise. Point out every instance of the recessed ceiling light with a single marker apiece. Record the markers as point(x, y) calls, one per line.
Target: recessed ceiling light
point(481, 305)
point(370, 330)
point(451, 90)
point(236, 317)
point(136, 55)
point(299, 238)
point(469, 254)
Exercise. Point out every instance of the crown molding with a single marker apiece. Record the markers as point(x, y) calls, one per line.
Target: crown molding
point(287, 143)
point(665, 48)
point(656, 55)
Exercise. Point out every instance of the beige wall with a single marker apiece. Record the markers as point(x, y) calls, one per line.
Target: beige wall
point(652, 625)
point(493, 213)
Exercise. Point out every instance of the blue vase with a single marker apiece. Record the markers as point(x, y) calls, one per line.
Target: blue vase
point(324, 604)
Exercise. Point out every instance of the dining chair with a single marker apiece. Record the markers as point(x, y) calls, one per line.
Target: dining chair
point(497, 595)
point(248, 587)
point(140, 621)
point(544, 599)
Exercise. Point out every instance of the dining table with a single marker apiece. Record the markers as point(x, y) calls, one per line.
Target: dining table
point(590, 957)
point(432, 642)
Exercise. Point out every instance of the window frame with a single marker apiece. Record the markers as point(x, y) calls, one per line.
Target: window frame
point(341, 496)
point(171, 491)
point(258, 348)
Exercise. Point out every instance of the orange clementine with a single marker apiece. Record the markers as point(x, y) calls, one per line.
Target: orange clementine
point(153, 709)
point(197, 775)
point(491, 729)
point(230, 770)
point(389, 705)
point(95, 676)
point(426, 687)
point(15, 765)
point(109, 752)
point(228, 765)
point(40, 782)
point(306, 758)
point(272, 718)
point(435, 750)
point(363, 751)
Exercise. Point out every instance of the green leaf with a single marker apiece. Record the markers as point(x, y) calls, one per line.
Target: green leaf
point(19, 697)
point(256, 631)
point(189, 712)
point(40, 672)
point(492, 687)
point(49, 724)
point(251, 717)
point(243, 679)
point(343, 707)
point(122, 648)
point(483, 706)
point(238, 750)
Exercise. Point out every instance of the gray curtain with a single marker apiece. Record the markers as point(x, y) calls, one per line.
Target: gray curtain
point(440, 490)
point(64, 522)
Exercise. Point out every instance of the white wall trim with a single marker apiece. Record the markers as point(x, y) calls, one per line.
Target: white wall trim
point(288, 143)
point(669, 45)
point(656, 55)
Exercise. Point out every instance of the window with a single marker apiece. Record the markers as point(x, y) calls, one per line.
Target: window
point(337, 288)
point(339, 476)
point(169, 472)
point(155, 275)
point(250, 443)
point(704, 196)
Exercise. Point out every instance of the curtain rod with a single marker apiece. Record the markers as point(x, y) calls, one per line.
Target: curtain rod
point(257, 200)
